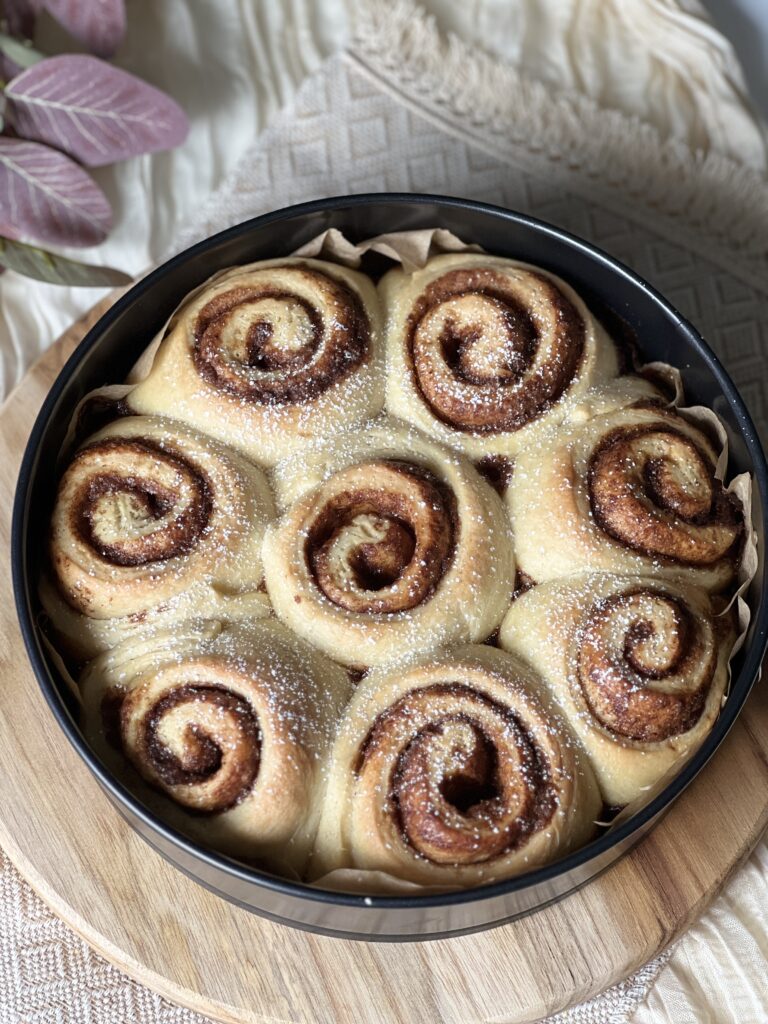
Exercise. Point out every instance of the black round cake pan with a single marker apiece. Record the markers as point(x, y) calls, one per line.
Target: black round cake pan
point(106, 355)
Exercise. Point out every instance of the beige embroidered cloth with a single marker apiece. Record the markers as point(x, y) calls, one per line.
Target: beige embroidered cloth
point(406, 110)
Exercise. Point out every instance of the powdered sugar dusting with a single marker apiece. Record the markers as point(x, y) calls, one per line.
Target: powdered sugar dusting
point(340, 720)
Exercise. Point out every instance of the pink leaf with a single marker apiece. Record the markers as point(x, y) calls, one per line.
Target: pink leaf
point(99, 24)
point(46, 197)
point(93, 111)
point(8, 68)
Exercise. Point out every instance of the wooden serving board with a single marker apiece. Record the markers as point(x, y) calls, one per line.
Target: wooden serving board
point(59, 830)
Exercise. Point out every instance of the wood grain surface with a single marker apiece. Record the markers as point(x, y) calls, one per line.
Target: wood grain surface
point(65, 838)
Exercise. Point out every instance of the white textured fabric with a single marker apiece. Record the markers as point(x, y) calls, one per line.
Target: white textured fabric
point(48, 975)
point(234, 65)
point(719, 971)
point(659, 59)
point(403, 138)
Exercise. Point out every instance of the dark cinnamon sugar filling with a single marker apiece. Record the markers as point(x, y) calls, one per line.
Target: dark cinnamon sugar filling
point(383, 548)
point(469, 784)
point(146, 500)
point(473, 347)
point(199, 755)
point(497, 470)
point(653, 489)
point(652, 682)
point(289, 349)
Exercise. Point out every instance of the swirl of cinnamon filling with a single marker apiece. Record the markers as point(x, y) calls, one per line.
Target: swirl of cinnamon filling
point(383, 537)
point(148, 512)
point(653, 489)
point(638, 667)
point(273, 345)
point(198, 742)
point(389, 544)
point(454, 771)
point(645, 664)
point(492, 351)
point(468, 781)
point(137, 502)
point(232, 722)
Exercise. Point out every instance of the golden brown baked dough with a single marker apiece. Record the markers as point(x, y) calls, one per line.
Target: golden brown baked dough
point(269, 355)
point(638, 666)
point(634, 491)
point(484, 353)
point(454, 771)
point(234, 725)
point(153, 522)
point(454, 764)
point(390, 544)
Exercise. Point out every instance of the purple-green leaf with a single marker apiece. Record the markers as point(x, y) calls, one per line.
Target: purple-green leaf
point(20, 55)
point(46, 197)
point(47, 266)
point(93, 111)
point(99, 24)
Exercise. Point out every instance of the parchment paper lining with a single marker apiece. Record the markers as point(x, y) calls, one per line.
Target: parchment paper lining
point(413, 249)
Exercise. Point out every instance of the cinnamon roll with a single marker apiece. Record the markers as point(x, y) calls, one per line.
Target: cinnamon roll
point(270, 355)
point(153, 523)
point(454, 772)
point(389, 543)
point(638, 666)
point(484, 353)
point(633, 491)
point(232, 725)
